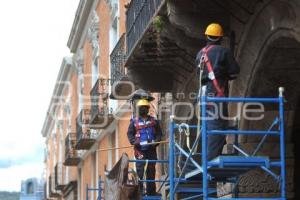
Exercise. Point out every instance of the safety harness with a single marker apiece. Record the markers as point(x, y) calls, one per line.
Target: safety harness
point(211, 74)
point(138, 129)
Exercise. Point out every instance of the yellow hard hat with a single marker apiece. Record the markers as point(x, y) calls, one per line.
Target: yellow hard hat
point(214, 29)
point(143, 102)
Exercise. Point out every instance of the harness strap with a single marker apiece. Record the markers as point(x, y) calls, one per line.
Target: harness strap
point(138, 127)
point(137, 130)
point(211, 75)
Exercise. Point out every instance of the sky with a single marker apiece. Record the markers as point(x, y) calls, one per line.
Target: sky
point(33, 42)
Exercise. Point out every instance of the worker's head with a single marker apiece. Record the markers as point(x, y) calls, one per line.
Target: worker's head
point(143, 106)
point(214, 32)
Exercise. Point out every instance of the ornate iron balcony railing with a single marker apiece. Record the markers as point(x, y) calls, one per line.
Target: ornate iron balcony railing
point(101, 114)
point(58, 175)
point(71, 156)
point(83, 135)
point(138, 16)
point(117, 60)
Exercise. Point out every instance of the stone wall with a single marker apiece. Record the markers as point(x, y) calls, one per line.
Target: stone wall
point(266, 40)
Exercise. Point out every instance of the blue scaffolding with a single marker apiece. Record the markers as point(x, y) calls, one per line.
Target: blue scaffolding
point(99, 190)
point(201, 172)
point(226, 168)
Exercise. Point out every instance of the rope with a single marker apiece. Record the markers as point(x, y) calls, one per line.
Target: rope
point(180, 154)
point(186, 131)
point(125, 147)
point(145, 171)
point(201, 67)
point(194, 147)
point(183, 128)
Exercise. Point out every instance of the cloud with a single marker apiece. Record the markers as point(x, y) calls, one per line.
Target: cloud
point(36, 156)
point(12, 176)
point(33, 44)
point(5, 163)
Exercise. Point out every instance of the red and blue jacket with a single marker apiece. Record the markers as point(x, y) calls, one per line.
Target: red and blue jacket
point(144, 131)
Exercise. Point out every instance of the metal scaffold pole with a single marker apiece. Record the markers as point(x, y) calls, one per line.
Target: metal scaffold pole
point(282, 141)
point(195, 177)
point(171, 158)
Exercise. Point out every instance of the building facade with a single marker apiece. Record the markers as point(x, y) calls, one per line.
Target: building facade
point(32, 189)
point(80, 119)
point(153, 44)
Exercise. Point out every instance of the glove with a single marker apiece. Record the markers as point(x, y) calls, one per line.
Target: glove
point(138, 155)
point(156, 140)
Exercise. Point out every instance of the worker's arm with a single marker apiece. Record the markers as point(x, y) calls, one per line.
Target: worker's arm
point(131, 132)
point(233, 67)
point(204, 77)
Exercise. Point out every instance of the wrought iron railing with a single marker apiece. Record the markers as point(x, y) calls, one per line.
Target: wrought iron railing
point(117, 60)
point(82, 124)
point(70, 143)
point(99, 101)
point(58, 175)
point(95, 93)
point(139, 15)
point(51, 190)
point(49, 186)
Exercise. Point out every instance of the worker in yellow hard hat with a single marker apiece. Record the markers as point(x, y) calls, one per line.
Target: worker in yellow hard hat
point(216, 66)
point(142, 131)
point(214, 32)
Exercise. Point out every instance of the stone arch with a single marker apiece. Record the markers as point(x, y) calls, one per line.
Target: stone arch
point(269, 57)
point(275, 18)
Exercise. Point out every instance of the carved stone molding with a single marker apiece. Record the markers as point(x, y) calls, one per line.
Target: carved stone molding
point(113, 5)
point(258, 182)
point(79, 62)
point(93, 34)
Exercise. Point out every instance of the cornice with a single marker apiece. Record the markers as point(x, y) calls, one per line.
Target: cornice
point(62, 82)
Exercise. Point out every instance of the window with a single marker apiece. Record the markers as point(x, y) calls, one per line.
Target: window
point(29, 188)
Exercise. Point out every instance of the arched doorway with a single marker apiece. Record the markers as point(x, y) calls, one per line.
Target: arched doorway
point(277, 65)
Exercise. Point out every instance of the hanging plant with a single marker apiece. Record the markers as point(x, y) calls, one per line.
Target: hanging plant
point(158, 23)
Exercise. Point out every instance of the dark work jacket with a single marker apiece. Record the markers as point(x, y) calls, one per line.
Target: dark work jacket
point(224, 66)
point(132, 130)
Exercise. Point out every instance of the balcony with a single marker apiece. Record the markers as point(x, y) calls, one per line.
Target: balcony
point(58, 175)
point(140, 15)
point(148, 51)
point(121, 85)
point(71, 155)
point(84, 138)
point(71, 189)
point(163, 38)
point(101, 116)
point(117, 60)
point(51, 190)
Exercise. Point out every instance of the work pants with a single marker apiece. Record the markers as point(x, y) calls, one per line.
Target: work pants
point(149, 154)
